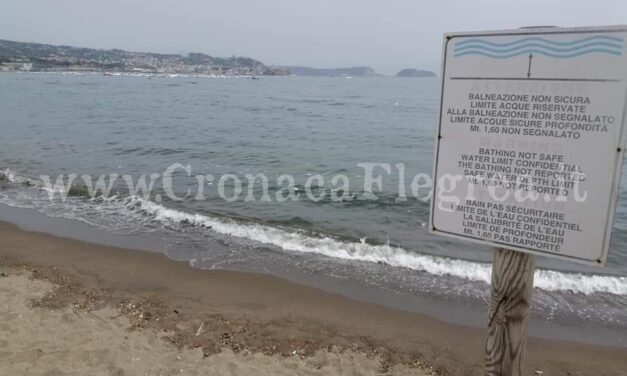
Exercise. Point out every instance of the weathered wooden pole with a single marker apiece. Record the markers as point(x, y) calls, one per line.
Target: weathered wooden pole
point(512, 287)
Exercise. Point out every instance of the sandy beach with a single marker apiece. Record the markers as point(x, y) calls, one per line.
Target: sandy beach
point(70, 307)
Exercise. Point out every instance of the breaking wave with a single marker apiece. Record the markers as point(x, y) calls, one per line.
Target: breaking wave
point(295, 241)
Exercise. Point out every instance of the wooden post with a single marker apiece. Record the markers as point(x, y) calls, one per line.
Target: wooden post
point(512, 287)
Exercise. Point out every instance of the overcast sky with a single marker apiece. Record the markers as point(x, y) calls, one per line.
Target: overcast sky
point(385, 34)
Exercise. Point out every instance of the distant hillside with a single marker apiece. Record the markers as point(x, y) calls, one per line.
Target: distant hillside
point(51, 57)
point(333, 72)
point(411, 72)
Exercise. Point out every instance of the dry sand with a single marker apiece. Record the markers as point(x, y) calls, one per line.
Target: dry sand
point(62, 342)
point(103, 310)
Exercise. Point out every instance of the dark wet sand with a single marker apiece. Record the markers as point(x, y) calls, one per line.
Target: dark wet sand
point(265, 314)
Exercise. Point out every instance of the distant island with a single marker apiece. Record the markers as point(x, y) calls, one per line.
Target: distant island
point(332, 72)
point(360, 71)
point(20, 56)
point(411, 72)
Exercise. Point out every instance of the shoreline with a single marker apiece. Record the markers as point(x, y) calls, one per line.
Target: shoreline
point(430, 302)
point(265, 314)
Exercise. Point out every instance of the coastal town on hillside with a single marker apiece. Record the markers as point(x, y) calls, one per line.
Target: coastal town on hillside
point(20, 56)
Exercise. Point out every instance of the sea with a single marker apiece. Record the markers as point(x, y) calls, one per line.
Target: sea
point(365, 241)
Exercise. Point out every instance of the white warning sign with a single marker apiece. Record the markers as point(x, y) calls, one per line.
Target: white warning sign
point(530, 141)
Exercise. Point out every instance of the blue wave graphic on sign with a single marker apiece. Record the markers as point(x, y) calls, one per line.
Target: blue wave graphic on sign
point(536, 45)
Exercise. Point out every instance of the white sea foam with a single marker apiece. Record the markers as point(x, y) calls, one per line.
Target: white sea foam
point(298, 242)
point(11, 177)
point(294, 241)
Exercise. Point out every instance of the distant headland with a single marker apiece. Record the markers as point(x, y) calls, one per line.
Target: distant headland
point(359, 71)
point(332, 72)
point(411, 72)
